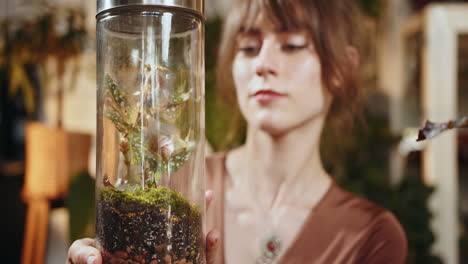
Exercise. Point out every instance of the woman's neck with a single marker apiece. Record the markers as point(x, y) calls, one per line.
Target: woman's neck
point(281, 169)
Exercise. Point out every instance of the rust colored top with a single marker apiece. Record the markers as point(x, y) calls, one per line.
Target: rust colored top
point(343, 229)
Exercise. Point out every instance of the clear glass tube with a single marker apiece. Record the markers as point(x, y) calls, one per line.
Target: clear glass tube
point(150, 142)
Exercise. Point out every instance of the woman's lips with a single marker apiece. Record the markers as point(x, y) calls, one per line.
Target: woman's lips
point(267, 96)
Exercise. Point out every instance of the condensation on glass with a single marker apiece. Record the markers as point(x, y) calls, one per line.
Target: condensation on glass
point(150, 132)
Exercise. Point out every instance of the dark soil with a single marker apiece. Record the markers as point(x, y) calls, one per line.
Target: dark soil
point(132, 232)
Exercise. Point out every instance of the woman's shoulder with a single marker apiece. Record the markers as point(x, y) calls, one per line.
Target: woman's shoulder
point(381, 229)
point(355, 206)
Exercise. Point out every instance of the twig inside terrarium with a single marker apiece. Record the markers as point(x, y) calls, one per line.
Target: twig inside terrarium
point(149, 136)
point(431, 130)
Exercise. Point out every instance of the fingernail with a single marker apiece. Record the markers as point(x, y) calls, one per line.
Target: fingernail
point(215, 242)
point(91, 260)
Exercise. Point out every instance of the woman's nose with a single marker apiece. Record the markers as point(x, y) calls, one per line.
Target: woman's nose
point(266, 63)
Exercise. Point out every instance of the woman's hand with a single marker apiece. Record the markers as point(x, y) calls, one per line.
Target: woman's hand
point(84, 251)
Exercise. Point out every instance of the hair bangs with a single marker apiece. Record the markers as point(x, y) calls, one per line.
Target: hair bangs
point(284, 14)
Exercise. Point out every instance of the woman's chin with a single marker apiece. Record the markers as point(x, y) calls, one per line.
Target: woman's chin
point(268, 122)
point(272, 129)
point(285, 124)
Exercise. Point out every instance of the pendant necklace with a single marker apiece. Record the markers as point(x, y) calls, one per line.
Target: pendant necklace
point(271, 246)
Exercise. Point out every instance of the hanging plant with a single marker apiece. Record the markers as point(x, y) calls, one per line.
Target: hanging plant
point(60, 35)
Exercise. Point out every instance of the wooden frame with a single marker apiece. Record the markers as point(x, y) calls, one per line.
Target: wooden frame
point(441, 24)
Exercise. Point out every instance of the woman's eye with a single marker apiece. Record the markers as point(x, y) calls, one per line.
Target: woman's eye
point(249, 50)
point(292, 48)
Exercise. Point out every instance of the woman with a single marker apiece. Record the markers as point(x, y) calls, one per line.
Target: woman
point(293, 65)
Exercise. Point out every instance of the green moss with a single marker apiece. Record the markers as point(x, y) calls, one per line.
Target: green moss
point(154, 197)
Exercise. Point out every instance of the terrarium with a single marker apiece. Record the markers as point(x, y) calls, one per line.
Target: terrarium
point(150, 127)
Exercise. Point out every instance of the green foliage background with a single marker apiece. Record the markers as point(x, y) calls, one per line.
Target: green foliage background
point(223, 129)
point(80, 204)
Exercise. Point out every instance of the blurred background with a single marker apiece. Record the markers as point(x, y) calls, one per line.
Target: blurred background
point(414, 68)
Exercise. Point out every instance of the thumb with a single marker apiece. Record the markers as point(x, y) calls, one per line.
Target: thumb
point(83, 251)
point(212, 246)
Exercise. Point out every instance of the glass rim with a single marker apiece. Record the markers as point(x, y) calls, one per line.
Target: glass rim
point(193, 5)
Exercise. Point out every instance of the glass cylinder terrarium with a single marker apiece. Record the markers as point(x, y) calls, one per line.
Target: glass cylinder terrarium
point(150, 127)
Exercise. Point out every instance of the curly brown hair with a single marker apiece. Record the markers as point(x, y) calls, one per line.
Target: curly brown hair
point(333, 27)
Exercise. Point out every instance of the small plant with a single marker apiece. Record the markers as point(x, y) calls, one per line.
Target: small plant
point(149, 131)
point(144, 222)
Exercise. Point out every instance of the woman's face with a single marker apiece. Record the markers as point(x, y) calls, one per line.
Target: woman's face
point(277, 75)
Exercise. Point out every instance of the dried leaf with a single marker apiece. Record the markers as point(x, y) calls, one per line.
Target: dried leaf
point(431, 130)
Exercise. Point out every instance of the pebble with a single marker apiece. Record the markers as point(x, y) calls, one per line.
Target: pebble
point(160, 248)
point(121, 255)
point(138, 258)
point(117, 261)
point(167, 259)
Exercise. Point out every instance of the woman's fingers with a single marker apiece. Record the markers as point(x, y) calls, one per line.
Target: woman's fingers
point(208, 198)
point(83, 251)
point(212, 245)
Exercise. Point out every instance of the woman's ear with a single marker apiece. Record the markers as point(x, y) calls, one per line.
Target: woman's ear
point(353, 55)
